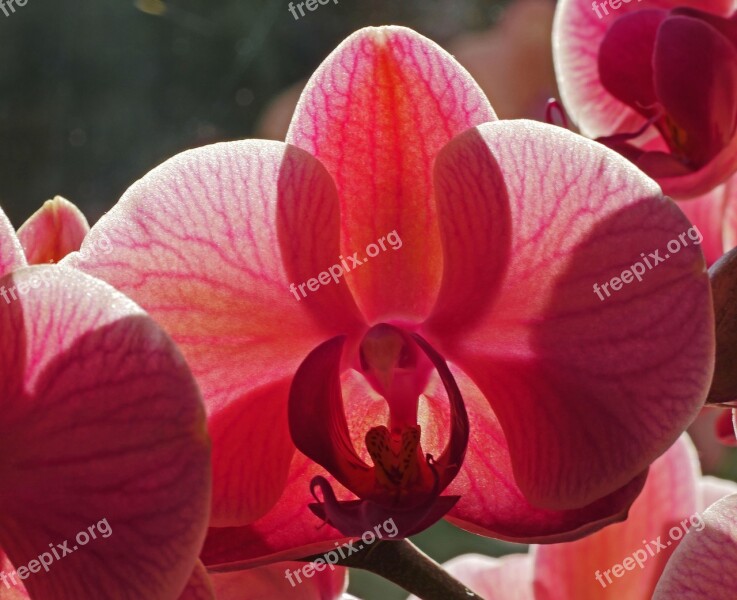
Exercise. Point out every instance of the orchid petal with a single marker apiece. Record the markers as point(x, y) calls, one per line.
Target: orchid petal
point(376, 113)
point(697, 85)
point(491, 503)
point(713, 489)
point(475, 223)
point(11, 251)
point(725, 428)
point(723, 274)
point(272, 581)
point(577, 36)
point(625, 59)
point(199, 586)
point(703, 566)
point(208, 243)
point(551, 348)
point(730, 214)
point(53, 231)
point(707, 213)
point(288, 531)
point(577, 569)
point(317, 418)
point(103, 439)
point(14, 588)
point(506, 578)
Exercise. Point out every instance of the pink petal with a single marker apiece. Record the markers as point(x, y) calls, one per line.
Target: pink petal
point(322, 582)
point(288, 531)
point(730, 214)
point(491, 502)
point(670, 496)
point(376, 113)
point(697, 85)
point(206, 242)
point(11, 252)
point(317, 418)
point(707, 212)
point(506, 578)
point(103, 433)
point(715, 172)
point(53, 231)
point(625, 59)
point(199, 586)
point(14, 589)
point(569, 375)
point(705, 563)
point(713, 489)
point(577, 36)
point(475, 226)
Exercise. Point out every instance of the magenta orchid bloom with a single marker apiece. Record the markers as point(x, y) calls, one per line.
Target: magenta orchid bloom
point(105, 459)
point(467, 369)
point(657, 81)
point(624, 560)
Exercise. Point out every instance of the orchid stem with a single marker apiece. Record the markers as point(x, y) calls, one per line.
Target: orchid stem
point(404, 564)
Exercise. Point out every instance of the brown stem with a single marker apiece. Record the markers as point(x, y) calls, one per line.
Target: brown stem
point(401, 562)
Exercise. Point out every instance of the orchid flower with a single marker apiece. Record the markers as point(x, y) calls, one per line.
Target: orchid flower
point(656, 81)
point(624, 560)
point(105, 459)
point(467, 370)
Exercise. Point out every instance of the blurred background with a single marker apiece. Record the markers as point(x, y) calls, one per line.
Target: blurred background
point(95, 94)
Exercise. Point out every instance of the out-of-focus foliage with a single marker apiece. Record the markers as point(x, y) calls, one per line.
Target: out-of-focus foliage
point(94, 94)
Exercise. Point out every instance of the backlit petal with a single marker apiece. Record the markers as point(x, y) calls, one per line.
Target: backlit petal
point(491, 502)
point(376, 113)
point(577, 378)
point(11, 252)
point(103, 432)
point(570, 570)
point(705, 563)
point(53, 231)
point(209, 243)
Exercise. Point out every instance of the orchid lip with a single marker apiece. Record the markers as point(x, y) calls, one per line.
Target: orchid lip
point(403, 477)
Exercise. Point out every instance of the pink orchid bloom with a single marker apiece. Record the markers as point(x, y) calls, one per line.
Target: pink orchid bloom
point(105, 460)
point(472, 372)
point(705, 564)
point(53, 231)
point(624, 560)
point(657, 81)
